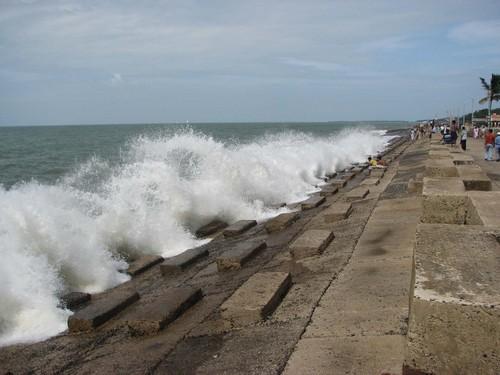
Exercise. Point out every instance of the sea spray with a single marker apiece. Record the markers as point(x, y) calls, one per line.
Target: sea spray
point(77, 233)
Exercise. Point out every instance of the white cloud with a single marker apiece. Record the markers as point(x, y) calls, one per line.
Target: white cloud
point(477, 32)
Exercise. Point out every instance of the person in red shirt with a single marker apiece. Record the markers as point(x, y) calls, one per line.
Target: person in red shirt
point(489, 144)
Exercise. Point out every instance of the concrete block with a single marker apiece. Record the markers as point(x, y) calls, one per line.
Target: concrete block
point(149, 317)
point(483, 208)
point(370, 181)
point(74, 300)
point(312, 202)
point(462, 159)
point(143, 263)
point(340, 183)
point(327, 190)
point(439, 154)
point(239, 227)
point(256, 298)
point(241, 253)
point(377, 172)
point(357, 170)
point(281, 221)
point(440, 168)
point(357, 193)
point(474, 178)
point(444, 201)
point(100, 311)
point(347, 176)
point(211, 228)
point(310, 243)
point(179, 263)
point(336, 212)
point(454, 325)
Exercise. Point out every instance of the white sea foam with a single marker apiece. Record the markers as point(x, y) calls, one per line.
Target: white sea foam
point(76, 234)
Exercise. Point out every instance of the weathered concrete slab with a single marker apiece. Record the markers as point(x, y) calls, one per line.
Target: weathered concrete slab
point(454, 322)
point(357, 169)
point(143, 263)
point(327, 190)
point(440, 168)
point(256, 298)
point(474, 178)
point(377, 172)
point(439, 153)
point(100, 311)
point(370, 181)
point(149, 317)
point(239, 227)
point(339, 182)
point(444, 201)
point(347, 355)
point(211, 228)
point(241, 253)
point(74, 300)
point(311, 242)
point(312, 202)
point(337, 211)
point(462, 159)
point(348, 175)
point(179, 263)
point(281, 221)
point(483, 208)
point(357, 193)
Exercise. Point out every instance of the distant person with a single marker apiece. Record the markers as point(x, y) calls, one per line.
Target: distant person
point(453, 133)
point(380, 161)
point(489, 144)
point(463, 138)
point(372, 163)
point(412, 135)
point(476, 132)
point(497, 145)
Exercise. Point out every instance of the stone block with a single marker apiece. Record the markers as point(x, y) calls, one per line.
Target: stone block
point(239, 227)
point(281, 221)
point(311, 242)
point(312, 202)
point(357, 170)
point(256, 298)
point(348, 176)
point(211, 228)
point(179, 263)
point(143, 263)
point(462, 159)
point(336, 212)
point(357, 193)
point(444, 201)
point(100, 311)
point(327, 190)
point(241, 253)
point(74, 300)
point(474, 178)
point(340, 183)
point(483, 208)
point(377, 172)
point(149, 317)
point(370, 181)
point(440, 168)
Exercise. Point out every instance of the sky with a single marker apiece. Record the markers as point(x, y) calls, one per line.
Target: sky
point(153, 61)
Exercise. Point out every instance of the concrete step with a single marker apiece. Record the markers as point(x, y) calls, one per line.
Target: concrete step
point(337, 211)
point(239, 227)
point(241, 253)
point(143, 263)
point(377, 172)
point(357, 193)
point(211, 228)
point(474, 178)
point(179, 263)
point(347, 176)
point(312, 202)
point(327, 190)
point(281, 221)
point(256, 298)
point(149, 317)
point(483, 208)
point(435, 168)
point(339, 182)
point(444, 201)
point(310, 243)
point(100, 311)
point(370, 181)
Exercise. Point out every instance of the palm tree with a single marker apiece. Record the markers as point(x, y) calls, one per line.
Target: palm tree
point(493, 93)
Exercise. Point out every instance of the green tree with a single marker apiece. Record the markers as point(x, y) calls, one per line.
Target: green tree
point(493, 93)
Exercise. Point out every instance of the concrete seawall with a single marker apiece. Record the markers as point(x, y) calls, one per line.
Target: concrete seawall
point(381, 273)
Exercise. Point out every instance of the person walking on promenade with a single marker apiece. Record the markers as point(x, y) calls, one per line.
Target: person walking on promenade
point(463, 138)
point(497, 145)
point(454, 133)
point(489, 142)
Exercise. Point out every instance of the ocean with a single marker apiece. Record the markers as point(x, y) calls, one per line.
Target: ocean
point(77, 201)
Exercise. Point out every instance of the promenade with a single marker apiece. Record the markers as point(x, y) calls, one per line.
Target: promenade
point(389, 271)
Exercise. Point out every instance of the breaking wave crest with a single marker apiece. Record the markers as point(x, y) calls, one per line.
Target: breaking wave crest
point(77, 233)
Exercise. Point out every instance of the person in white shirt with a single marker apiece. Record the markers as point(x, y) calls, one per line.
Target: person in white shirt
point(463, 138)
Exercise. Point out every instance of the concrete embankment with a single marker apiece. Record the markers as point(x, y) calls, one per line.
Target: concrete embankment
point(385, 272)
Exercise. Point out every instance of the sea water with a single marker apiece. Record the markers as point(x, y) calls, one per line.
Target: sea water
point(76, 201)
